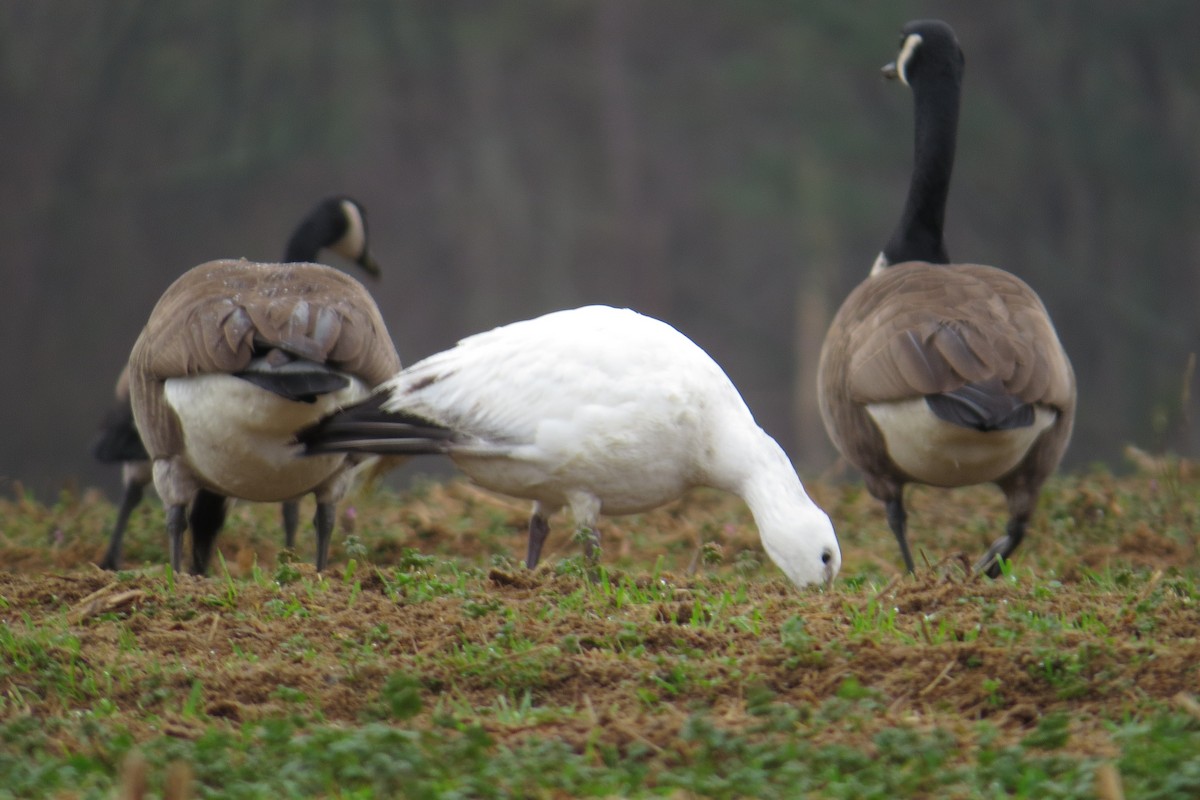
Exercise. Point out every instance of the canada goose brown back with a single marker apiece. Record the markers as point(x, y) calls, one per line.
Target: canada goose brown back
point(236, 357)
point(938, 373)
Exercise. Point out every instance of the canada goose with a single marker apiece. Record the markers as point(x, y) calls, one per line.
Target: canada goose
point(938, 373)
point(599, 409)
point(338, 223)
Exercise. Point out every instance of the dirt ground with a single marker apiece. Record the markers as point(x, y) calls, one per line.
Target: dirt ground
point(943, 649)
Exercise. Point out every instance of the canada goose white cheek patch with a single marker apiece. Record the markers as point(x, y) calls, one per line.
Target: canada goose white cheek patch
point(906, 54)
point(354, 241)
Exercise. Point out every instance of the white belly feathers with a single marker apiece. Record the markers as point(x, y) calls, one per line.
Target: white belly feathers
point(939, 453)
point(239, 437)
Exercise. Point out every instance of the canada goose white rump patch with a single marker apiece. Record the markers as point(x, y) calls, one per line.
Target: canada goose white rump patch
point(939, 453)
point(238, 437)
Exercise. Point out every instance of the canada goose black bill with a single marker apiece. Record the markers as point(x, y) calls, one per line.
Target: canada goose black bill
point(939, 373)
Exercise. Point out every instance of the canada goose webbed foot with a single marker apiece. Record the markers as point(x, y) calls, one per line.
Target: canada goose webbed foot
point(1002, 548)
point(989, 564)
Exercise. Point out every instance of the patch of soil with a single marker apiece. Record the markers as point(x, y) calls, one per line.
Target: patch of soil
point(937, 650)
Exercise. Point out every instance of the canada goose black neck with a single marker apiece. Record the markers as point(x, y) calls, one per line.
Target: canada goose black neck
point(323, 226)
point(933, 67)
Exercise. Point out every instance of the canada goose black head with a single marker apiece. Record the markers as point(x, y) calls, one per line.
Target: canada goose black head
point(338, 223)
point(929, 52)
point(931, 63)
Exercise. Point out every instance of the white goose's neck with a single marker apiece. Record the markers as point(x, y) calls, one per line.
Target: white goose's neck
point(795, 532)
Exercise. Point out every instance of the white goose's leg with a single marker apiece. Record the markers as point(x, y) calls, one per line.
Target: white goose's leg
point(585, 508)
point(539, 529)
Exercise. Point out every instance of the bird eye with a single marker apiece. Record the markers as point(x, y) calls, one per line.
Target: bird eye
point(826, 556)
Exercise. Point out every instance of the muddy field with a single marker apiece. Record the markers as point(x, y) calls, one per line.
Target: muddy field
point(691, 668)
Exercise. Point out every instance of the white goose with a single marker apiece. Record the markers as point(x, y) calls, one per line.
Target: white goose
point(599, 409)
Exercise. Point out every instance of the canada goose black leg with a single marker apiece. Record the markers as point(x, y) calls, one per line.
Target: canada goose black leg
point(1003, 547)
point(539, 529)
point(129, 501)
point(323, 521)
point(177, 523)
point(897, 521)
point(206, 520)
point(291, 522)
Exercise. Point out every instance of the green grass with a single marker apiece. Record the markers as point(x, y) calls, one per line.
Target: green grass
point(425, 664)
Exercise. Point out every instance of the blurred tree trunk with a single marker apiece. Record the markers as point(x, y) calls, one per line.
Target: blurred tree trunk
point(814, 307)
point(636, 241)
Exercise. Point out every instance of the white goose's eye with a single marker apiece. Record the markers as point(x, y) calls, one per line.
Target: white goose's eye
point(906, 53)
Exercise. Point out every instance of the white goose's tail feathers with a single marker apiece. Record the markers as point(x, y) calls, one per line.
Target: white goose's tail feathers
point(367, 428)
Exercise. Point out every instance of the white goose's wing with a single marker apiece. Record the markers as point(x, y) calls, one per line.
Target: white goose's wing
point(573, 374)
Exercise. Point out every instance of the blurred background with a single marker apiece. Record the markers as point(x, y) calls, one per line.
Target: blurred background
point(732, 168)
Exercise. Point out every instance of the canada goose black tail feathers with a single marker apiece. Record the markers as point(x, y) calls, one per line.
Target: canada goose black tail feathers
point(300, 387)
point(296, 379)
point(984, 406)
point(367, 428)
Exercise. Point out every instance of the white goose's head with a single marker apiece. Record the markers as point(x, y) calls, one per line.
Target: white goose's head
point(796, 534)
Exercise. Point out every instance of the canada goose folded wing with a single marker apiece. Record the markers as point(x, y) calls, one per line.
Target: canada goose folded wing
point(221, 316)
point(923, 329)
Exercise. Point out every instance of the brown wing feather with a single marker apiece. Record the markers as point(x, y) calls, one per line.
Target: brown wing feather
point(215, 315)
point(920, 329)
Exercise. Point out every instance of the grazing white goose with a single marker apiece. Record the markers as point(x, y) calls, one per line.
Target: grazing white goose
point(235, 357)
point(599, 409)
point(939, 373)
point(338, 223)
